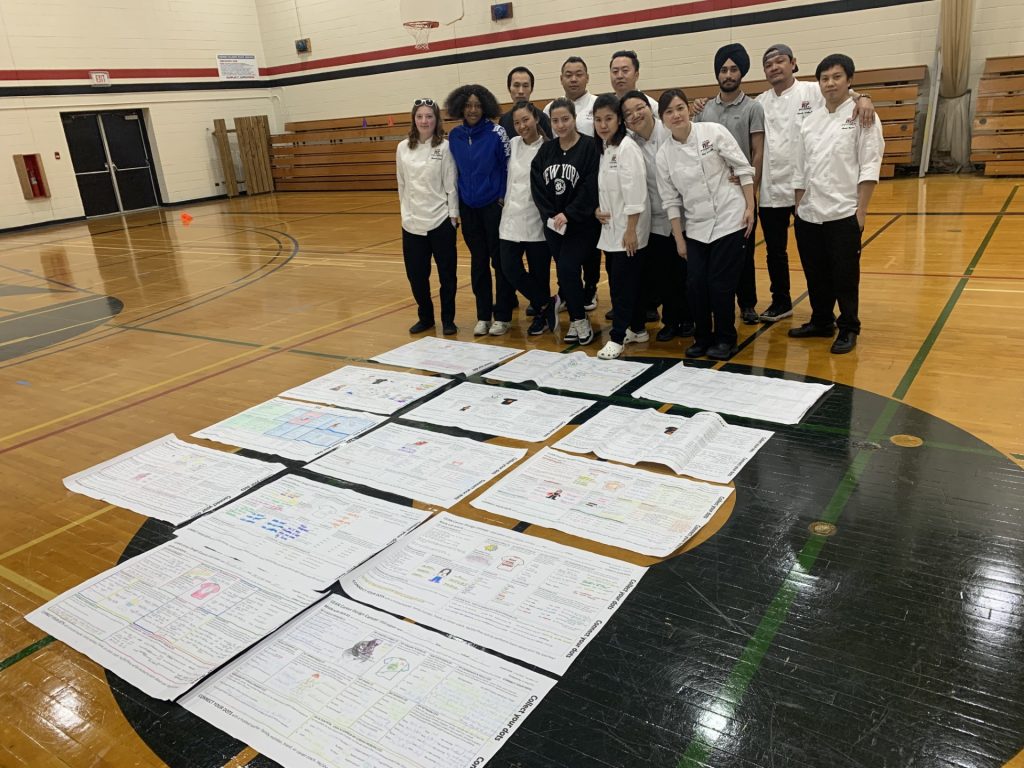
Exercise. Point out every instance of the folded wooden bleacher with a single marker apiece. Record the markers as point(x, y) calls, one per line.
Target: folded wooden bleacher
point(358, 153)
point(997, 137)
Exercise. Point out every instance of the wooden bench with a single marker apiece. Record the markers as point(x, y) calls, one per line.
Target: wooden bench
point(358, 153)
point(997, 136)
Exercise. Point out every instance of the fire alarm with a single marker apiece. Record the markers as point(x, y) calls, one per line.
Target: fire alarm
point(56, 155)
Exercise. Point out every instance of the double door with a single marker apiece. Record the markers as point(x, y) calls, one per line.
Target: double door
point(112, 161)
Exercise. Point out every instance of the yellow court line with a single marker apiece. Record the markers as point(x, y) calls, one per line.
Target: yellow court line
point(27, 584)
point(56, 532)
point(242, 759)
point(248, 353)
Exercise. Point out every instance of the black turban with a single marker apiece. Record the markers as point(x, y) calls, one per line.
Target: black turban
point(737, 53)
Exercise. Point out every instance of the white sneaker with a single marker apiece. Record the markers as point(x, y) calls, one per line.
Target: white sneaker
point(500, 328)
point(584, 333)
point(610, 351)
point(591, 305)
point(637, 338)
point(481, 328)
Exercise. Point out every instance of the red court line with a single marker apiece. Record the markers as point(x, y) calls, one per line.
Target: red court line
point(207, 376)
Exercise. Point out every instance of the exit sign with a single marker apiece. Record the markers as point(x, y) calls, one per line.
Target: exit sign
point(100, 78)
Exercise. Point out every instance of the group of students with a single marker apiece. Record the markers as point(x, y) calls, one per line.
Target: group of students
point(667, 190)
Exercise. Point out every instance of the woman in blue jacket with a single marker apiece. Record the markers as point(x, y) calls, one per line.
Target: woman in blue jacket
point(480, 149)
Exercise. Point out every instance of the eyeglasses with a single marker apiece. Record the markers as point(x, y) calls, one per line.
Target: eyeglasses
point(424, 103)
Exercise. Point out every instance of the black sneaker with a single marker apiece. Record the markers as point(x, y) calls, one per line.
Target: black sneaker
point(686, 328)
point(696, 350)
point(844, 343)
point(609, 315)
point(449, 329)
point(749, 315)
point(531, 311)
point(722, 351)
point(421, 326)
point(667, 333)
point(808, 330)
point(652, 316)
point(776, 312)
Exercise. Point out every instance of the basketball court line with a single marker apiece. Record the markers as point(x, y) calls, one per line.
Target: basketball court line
point(732, 693)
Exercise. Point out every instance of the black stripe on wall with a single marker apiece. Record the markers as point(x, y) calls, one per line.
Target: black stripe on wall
point(753, 18)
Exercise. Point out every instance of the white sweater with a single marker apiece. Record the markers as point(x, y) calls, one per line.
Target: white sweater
point(427, 190)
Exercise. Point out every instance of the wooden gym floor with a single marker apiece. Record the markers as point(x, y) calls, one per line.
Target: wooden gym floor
point(896, 641)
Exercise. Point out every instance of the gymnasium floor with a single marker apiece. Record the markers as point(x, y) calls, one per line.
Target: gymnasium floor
point(894, 640)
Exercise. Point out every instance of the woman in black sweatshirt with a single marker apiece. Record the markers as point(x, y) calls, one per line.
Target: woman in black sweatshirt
point(563, 179)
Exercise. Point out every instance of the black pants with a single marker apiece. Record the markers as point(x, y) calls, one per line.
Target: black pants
point(775, 224)
point(830, 254)
point(480, 231)
point(665, 272)
point(713, 273)
point(534, 282)
point(569, 252)
point(591, 274)
point(746, 289)
point(625, 281)
point(416, 251)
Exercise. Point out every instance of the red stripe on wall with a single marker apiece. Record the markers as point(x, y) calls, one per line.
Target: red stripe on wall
point(676, 10)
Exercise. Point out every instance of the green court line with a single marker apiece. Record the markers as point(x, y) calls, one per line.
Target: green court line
point(940, 321)
point(25, 652)
point(1018, 456)
point(739, 679)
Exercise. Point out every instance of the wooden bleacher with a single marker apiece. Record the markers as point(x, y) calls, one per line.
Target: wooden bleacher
point(997, 138)
point(357, 153)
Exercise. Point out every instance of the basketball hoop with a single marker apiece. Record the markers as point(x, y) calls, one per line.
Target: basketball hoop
point(420, 31)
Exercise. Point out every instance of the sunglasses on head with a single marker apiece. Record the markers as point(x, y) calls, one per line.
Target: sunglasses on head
point(423, 103)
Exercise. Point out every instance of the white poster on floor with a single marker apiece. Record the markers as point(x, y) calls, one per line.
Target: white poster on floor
point(418, 463)
point(443, 356)
point(292, 430)
point(345, 686)
point(740, 394)
point(171, 480)
point(525, 597)
point(315, 531)
point(575, 372)
point(376, 390)
point(165, 619)
point(645, 512)
point(519, 414)
point(702, 446)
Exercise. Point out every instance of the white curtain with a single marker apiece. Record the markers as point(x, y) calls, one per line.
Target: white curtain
point(952, 120)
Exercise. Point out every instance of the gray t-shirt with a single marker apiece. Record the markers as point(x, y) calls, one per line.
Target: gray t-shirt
point(742, 117)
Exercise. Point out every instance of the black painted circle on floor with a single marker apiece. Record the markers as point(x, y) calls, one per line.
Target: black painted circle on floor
point(897, 640)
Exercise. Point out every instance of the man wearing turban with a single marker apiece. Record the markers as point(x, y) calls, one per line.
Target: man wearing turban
point(744, 118)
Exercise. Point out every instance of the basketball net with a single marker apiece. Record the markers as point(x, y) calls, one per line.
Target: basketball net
point(420, 31)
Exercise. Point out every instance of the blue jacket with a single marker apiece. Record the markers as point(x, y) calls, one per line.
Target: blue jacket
point(481, 157)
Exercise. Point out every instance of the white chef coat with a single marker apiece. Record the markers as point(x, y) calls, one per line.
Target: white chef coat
point(584, 113)
point(427, 193)
point(693, 180)
point(650, 147)
point(783, 115)
point(835, 154)
point(622, 191)
point(520, 219)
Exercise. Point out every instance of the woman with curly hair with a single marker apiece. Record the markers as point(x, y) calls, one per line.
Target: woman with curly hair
point(430, 208)
point(625, 216)
point(480, 149)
